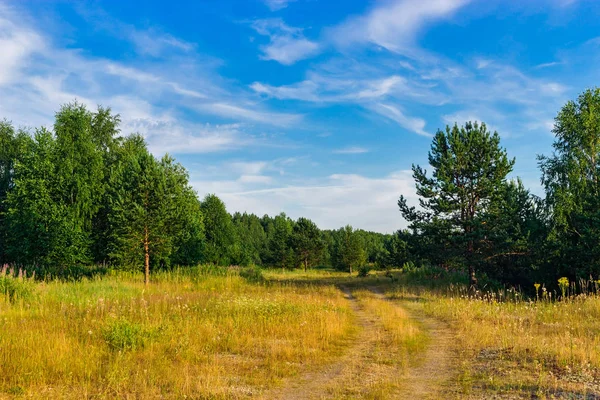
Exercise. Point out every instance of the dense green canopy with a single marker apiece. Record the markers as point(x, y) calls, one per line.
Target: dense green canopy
point(83, 195)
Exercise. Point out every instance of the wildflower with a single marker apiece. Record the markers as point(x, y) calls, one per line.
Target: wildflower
point(563, 283)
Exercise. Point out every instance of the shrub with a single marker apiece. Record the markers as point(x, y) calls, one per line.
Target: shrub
point(252, 274)
point(15, 287)
point(364, 270)
point(408, 267)
point(125, 335)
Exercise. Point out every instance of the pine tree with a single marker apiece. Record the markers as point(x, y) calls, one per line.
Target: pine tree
point(306, 242)
point(469, 170)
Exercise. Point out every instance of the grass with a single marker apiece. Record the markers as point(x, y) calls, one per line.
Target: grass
point(238, 333)
point(193, 335)
point(512, 345)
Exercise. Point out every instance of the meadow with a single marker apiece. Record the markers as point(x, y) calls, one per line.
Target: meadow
point(221, 333)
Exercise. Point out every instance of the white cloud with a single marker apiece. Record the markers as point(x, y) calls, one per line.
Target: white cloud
point(17, 44)
point(156, 44)
point(287, 50)
point(275, 5)
point(351, 150)
point(238, 112)
point(257, 179)
point(321, 88)
point(166, 136)
point(248, 167)
point(332, 202)
point(416, 125)
point(393, 24)
point(287, 45)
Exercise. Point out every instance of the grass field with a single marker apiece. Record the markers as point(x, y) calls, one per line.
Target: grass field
point(230, 333)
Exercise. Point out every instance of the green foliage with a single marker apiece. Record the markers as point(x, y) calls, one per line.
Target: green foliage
point(348, 249)
point(122, 334)
point(394, 252)
point(363, 270)
point(219, 230)
point(279, 243)
point(251, 239)
point(571, 177)
point(15, 288)
point(307, 242)
point(252, 274)
point(469, 169)
point(44, 229)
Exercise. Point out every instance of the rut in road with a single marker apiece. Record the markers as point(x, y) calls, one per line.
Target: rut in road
point(369, 367)
point(431, 378)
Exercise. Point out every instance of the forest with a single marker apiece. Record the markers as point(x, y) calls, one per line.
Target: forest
point(118, 281)
point(84, 198)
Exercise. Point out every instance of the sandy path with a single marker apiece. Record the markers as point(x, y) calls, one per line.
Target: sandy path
point(360, 370)
point(320, 384)
point(432, 376)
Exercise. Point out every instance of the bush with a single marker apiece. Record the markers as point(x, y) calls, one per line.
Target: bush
point(15, 287)
point(408, 267)
point(364, 270)
point(126, 335)
point(252, 274)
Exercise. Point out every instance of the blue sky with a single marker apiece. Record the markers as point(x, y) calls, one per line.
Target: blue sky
point(312, 107)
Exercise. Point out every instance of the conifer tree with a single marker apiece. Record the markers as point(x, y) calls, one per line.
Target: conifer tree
point(469, 171)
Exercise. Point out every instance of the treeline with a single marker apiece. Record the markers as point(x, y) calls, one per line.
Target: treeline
point(471, 217)
point(83, 194)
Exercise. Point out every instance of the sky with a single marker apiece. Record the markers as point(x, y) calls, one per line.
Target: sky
point(315, 108)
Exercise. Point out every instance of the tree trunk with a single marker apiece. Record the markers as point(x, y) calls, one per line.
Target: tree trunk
point(305, 264)
point(146, 257)
point(472, 277)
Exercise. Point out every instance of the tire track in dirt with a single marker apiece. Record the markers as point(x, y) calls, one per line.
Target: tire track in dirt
point(323, 383)
point(358, 371)
point(432, 377)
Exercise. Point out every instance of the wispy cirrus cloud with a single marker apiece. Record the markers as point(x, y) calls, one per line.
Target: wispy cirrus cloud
point(351, 150)
point(416, 125)
point(275, 5)
point(287, 44)
point(152, 97)
point(393, 25)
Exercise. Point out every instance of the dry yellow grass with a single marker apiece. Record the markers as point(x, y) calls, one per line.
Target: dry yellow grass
point(294, 336)
point(520, 348)
point(195, 336)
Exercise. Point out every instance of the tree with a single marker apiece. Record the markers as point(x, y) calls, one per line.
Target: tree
point(42, 229)
point(516, 232)
point(306, 242)
point(250, 239)
point(469, 169)
point(185, 220)
point(8, 155)
point(140, 216)
point(105, 131)
point(279, 242)
point(78, 163)
point(219, 231)
point(571, 177)
point(349, 251)
point(394, 252)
